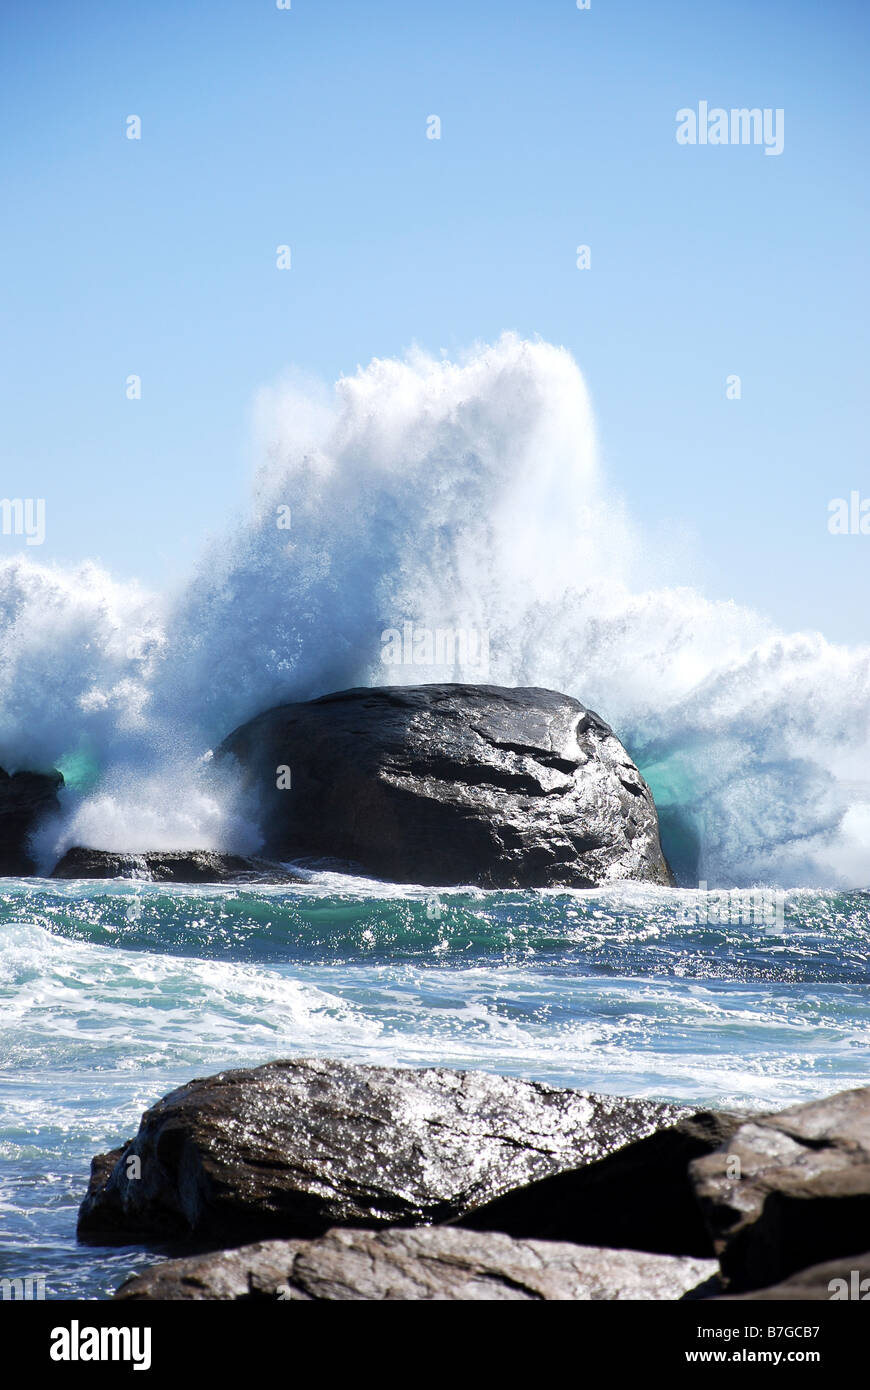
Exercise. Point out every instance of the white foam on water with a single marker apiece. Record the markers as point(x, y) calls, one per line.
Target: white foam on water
point(72, 1010)
point(70, 1003)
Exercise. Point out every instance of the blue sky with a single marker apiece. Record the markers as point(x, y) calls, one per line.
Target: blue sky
point(307, 127)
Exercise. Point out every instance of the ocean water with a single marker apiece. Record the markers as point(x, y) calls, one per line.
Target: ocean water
point(463, 495)
point(112, 993)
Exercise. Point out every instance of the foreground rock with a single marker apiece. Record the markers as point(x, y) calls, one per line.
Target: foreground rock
point(837, 1281)
point(26, 799)
point(174, 866)
point(295, 1147)
point(434, 1263)
point(446, 784)
point(790, 1190)
point(639, 1197)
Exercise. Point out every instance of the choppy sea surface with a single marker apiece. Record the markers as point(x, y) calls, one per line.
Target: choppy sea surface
point(112, 993)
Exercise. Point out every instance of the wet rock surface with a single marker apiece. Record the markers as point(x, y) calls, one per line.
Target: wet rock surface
point(295, 1147)
point(641, 1196)
point(447, 784)
point(26, 799)
point(171, 866)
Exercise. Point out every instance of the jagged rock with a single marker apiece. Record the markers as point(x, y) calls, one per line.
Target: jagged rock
point(295, 1147)
point(446, 784)
point(26, 798)
point(171, 866)
point(431, 1263)
point(837, 1281)
point(789, 1190)
point(639, 1197)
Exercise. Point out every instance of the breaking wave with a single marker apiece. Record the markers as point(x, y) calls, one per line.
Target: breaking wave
point(452, 495)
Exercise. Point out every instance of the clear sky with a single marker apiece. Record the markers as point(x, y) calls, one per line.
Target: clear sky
point(307, 126)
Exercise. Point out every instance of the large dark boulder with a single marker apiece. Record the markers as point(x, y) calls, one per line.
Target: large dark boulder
point(446, 784)
point(437, 1263)
point(26, 798)
point(789, 1190)
point(171, 866)
point(295, 1147)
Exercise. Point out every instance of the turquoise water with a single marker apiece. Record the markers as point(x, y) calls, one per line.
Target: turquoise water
point(113, 993)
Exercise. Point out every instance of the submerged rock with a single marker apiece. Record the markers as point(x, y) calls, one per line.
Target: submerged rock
point(447, 784)
point(431, 1263)
point(26, 798)
point(295, 1147)
point(789, 1190)
point(171, 866)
